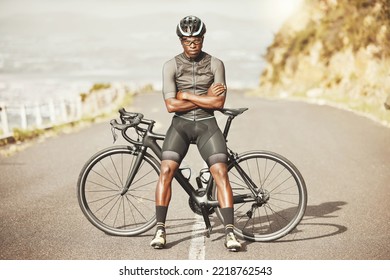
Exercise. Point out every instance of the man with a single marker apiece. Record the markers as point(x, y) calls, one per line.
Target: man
point(193, 87)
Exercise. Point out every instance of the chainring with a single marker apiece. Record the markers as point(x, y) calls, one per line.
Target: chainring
point(196, 208)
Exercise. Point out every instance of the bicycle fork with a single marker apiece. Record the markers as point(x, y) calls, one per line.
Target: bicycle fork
point(134, 170)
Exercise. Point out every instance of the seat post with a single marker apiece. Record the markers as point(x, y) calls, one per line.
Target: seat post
point(227, 126)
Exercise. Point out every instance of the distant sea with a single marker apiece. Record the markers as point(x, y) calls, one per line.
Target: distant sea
point(48, 52)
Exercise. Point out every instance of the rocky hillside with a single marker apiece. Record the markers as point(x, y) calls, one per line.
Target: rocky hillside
point(336, 51)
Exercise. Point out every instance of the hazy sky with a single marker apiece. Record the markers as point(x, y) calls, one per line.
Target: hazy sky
point(271, 10)
point(131, 39)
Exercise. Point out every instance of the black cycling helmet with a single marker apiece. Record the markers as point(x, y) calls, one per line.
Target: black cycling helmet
point(191, 26)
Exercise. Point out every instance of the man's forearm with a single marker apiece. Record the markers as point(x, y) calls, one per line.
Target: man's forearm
point(204, 101)
point(176, 105)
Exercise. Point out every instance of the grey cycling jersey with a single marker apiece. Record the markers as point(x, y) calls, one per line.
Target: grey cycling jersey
point(194, 76)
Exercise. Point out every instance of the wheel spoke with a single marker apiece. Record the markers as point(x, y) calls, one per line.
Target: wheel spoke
point(116, 169)
point(104, 186)
point(136, 208)
point(112, 182)
point(100, 199)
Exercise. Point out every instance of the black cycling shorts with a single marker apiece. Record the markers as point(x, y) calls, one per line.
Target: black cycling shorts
point(204, 133)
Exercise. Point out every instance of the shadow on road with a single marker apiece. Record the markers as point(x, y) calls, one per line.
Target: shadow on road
point(314, 230)
point(324, 209)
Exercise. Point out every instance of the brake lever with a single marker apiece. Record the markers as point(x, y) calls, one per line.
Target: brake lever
point(114, 135)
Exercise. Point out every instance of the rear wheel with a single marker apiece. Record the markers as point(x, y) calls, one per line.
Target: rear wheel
point(277, 203)
point(101, 182)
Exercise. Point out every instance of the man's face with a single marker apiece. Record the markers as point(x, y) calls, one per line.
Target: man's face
point(192, 46)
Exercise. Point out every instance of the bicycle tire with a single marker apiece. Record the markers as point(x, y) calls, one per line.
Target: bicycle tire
point(99, 187)
point(283, 185)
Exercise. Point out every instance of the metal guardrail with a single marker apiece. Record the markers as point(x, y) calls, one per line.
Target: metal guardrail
point(51, 113)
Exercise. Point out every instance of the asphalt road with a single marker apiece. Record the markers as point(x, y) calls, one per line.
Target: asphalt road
point(344, 158)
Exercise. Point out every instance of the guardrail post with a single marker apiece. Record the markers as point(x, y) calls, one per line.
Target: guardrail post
point(4, 119)
point(63, 112)
point(52, 112)
point(23, 116)
point(79, 107)
point(38, 116)
point(95, 104)
point(73, 109)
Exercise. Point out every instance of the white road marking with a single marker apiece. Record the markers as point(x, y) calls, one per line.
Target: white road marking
point(197, 247)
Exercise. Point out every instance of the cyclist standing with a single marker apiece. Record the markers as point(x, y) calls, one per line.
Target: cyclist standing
point(193, 88)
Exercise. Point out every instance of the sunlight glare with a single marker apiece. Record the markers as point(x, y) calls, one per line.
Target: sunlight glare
point(281, 10)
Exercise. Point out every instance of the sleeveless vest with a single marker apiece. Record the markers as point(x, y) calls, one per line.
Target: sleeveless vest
point(194, 76)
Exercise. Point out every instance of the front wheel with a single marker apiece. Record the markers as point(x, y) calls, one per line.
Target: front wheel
point(276, 203)
point(99, 191)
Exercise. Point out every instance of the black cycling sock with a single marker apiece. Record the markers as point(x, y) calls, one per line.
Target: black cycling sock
point(228, 219)
point(161, 215)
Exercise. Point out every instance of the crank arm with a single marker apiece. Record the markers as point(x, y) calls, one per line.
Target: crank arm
point(205, 214)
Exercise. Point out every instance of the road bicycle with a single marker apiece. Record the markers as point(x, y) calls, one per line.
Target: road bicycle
point(116, 187)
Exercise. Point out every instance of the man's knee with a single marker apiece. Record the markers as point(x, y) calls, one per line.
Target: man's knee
point(219, 171)
point(168, 169)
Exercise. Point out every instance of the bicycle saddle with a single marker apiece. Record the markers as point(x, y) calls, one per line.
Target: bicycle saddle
point(233, 112)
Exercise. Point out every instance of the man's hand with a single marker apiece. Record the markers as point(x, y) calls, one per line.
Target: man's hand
point(181, 95)
point(216, 90)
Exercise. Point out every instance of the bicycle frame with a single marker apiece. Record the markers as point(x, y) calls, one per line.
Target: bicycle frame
point(149, 141)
